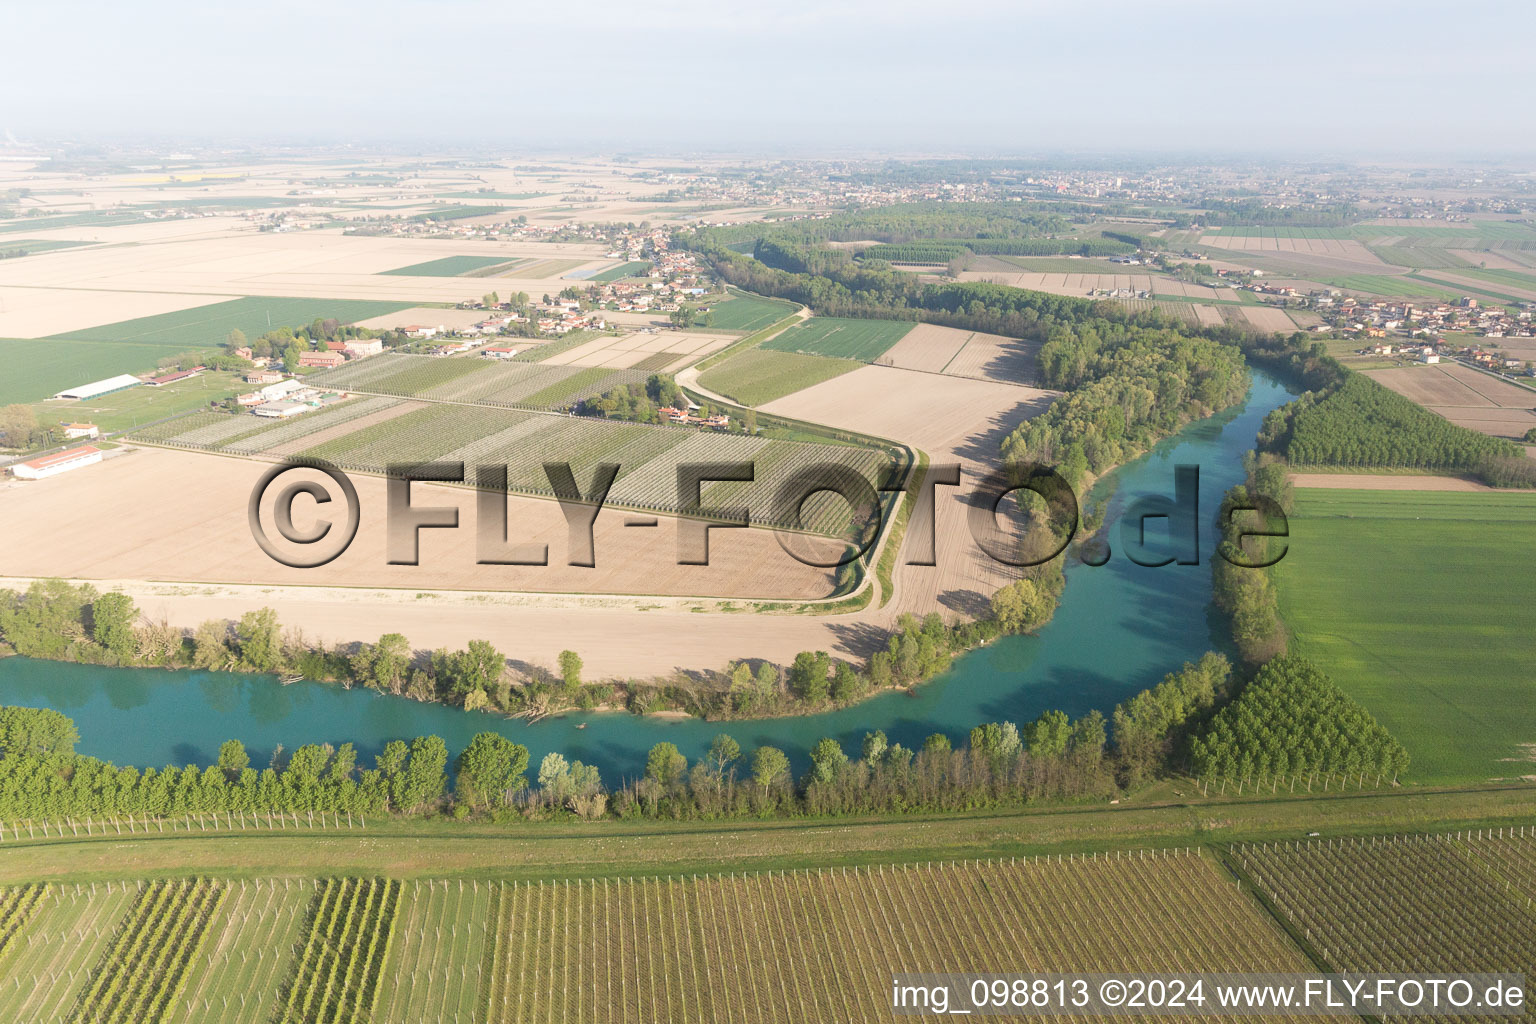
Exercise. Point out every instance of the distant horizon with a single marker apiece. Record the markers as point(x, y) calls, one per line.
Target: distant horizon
point(1193, 76)
point(164, 146)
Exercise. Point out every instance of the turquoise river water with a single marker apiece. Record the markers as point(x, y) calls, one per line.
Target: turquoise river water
point(1119, 628)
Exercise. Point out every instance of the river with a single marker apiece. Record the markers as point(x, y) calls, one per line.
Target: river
point(1119, 628)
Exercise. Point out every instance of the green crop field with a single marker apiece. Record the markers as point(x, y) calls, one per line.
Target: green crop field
point(1429, 257)
point(1513, 278)
point(448, 266)
point(11, 246)
point(758, 376)
point(31, 369)
point(457, 212)
point(1391, 287)
point(1413, 602)
point(494, 195)
point(748, 313)
point(206, 326)
point(863, 340)
point(636, 268)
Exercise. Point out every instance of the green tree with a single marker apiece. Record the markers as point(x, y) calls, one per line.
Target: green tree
point(570, 669)
point(489, 768)
point(665, 764)
point(808, 676)
point(17, 425)
point(1021, 606)
point(723, 751)
point(112, 618)
point(261, 640)
point(36, 731)
point(210, 646)
point(769, 767)
point(827, 759)
point(478, 667)
point(1048, 735)
point(233, 760)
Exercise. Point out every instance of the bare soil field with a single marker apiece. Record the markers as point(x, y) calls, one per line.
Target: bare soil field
point(1207, 316)
point(181, 516)
point(1466, 397)
point(947, 418)
point(426, 316)
point(1087, 283)
point(961, 421)
point(933, 349)
point(1512, 424)
point(235, 260)
point(926, 347)
point(994, 357)
point(1268, 318)
point(617, 638)
point(41, 312)
point(1491, 259)
point(1385, 482)
point(625, 351)
point(1306, 259)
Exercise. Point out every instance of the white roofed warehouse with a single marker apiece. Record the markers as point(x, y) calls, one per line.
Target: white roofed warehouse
point(101, 387)
point(58, 462)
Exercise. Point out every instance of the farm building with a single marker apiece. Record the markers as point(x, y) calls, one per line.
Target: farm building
point(363, 347)
point(59, 462)
point(498, 352)
point(171, 378)
point(282, 389)
point(328, 360)
point(101, 387)
point(75, 431)
point(280, 410)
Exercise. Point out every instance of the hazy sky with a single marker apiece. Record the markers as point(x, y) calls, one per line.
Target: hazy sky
point(1340, 77)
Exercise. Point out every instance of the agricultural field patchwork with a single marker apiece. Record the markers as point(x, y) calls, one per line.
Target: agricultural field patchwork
point(758, 376)
point(207, 326)
point(863, 340)
point(370, 434)
point(1391, 594)
point(479, 381)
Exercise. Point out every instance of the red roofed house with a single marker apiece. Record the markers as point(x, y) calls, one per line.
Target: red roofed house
point(59, 462)
point(328, 360)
